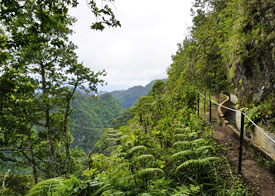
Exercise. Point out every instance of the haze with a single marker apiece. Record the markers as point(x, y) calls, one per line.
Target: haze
point(139, 51)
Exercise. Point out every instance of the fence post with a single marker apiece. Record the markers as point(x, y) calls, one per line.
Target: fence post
point(241, 144)
point(210, 112)
point(198, 105)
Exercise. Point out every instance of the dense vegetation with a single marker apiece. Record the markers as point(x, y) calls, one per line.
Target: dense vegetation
point(128, 98)
point(39, 77)
point(231, 48)
point(161, 147)
point(91, 116)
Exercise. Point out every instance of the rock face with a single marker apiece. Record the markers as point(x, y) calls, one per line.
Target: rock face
point(254, 78)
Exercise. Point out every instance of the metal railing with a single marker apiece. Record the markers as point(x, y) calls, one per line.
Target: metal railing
point(243, 115)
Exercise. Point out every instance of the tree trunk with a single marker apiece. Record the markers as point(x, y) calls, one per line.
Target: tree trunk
point(67, 139)
point(65, 130)
point(32, 157)
point(47, 122)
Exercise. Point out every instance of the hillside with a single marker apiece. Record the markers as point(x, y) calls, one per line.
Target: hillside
point(162, 145)
point(128, 98)
point(91, 117)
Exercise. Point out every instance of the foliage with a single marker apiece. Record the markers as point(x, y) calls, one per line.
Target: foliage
point(91, 117)
point(39, 74)
point(15, 185)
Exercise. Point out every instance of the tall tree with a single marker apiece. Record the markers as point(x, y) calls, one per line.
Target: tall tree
point(36, 48)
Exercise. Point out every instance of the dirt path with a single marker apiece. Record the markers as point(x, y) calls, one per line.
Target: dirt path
point(261, 179)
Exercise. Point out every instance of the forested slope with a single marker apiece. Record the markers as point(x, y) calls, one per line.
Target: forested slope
point(91, 116)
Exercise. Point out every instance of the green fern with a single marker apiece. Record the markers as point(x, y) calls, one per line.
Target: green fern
point(142, 157)
point(148, 171)
point(189, 143)
point(198, 162)
point(120, 166)
point(47, 186)
point(190, 152)
point(136, 148)
point(101, 190)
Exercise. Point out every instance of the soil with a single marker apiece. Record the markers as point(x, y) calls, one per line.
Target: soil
point(262, 181)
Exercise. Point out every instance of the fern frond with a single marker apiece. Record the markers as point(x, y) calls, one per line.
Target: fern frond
point(193, 134)
point(111, 135)
point(136, 148)
point(189, 143)
point(198, 162)
point(114, 147)
point(46, 186)
point(145, 194)
point(121, 154)
point(120, 166)
point(198, 141)
point(182, 143)
point(101, 190)
point(112, 139)
point(111, 132)
point(182, 154)
point(180, 135)
point(202, 148)
point(148, 171)
point(179, 131)
point(143, 157)
point(123, 137)
point(125, 180)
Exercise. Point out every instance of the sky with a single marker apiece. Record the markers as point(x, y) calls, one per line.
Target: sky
point(140, 50)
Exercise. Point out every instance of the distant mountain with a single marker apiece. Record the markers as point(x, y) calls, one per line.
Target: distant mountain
point(91, 117)
point(128, 98)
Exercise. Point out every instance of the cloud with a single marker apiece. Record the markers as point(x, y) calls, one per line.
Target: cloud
point(141, 49)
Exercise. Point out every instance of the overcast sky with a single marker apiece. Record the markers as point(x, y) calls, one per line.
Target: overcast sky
point(140, 50)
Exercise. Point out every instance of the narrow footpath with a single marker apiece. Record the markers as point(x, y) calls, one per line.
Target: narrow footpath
point(261, 179)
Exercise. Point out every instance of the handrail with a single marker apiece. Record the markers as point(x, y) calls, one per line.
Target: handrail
point(234, 110)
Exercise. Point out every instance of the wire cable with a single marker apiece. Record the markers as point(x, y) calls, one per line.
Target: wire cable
point(234, 110)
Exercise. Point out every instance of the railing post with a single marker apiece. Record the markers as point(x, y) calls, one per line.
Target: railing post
point(198, 105)
point(241, 144)
point(210, 112)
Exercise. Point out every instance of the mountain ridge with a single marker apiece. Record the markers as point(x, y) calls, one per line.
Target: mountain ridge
point(128, 98)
